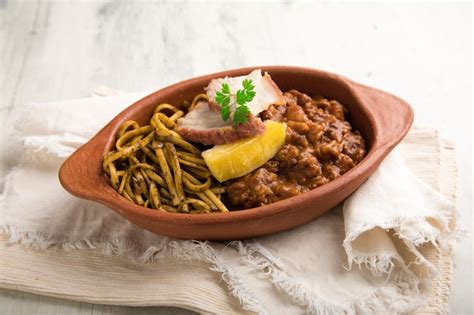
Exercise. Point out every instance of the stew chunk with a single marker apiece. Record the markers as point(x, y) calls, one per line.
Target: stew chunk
point(320, 146)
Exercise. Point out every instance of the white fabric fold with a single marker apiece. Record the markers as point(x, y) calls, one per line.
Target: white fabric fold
point(373, 218)
point(365, 256)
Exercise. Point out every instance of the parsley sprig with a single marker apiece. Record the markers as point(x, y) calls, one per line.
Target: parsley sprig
point(227, 100)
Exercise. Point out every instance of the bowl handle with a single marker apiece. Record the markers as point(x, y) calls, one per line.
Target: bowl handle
point(81, 173)
point(391, 116)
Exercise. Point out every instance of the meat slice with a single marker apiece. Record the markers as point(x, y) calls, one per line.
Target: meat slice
point(267, 92)
point(204, 126)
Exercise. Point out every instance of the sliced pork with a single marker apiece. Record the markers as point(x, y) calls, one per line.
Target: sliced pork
point(204, 126)
point(267, 92)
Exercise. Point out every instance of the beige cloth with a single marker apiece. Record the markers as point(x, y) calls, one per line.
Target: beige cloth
point(297, 271)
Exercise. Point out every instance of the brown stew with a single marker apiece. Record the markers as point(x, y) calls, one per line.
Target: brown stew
point(320, 146)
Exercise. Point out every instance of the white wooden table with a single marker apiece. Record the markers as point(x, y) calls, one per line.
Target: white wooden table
point(65, 49)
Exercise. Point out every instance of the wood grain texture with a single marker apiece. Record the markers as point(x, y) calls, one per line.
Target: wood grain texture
point(65, 49)
point(17, 303)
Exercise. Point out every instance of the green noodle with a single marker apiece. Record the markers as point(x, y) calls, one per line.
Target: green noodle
point(153, 166)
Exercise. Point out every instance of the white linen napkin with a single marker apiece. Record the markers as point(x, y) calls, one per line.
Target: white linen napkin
point(365, 256)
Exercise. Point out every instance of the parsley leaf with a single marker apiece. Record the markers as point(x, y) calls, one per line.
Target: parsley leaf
point(246, 94)
point(225, 112)
point(223, 99)
point(241, 114)
point(242, 97)
point(223, 96)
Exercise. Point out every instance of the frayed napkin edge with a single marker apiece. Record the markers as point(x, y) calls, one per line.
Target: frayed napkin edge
point(260, 259)
point(119, 247)
point(252, 254)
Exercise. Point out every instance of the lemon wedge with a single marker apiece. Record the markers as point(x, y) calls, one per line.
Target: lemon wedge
point(237, 159)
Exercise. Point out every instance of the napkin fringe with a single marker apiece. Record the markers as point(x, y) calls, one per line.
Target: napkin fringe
point(196, 250)
point(185, 250)
point(411, 233)
point(383, 263)
point(379, 263)
point(260, 259)
point(42, 241)
point(255, 256)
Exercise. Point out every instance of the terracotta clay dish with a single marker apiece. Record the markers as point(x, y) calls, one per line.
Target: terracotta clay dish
point(381, 118)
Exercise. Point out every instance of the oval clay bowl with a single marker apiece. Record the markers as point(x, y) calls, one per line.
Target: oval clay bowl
point(382, 119)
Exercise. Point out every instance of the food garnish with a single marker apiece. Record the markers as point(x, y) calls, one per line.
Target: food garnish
point(266, 91)
point(235, 103)
point(229, 111)
point(233, 160)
